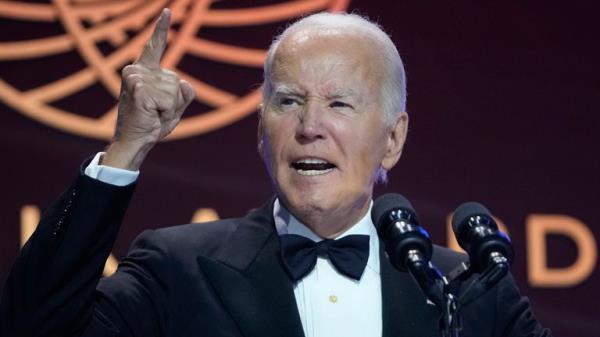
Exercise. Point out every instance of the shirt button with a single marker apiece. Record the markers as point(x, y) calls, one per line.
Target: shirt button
point(333, 298)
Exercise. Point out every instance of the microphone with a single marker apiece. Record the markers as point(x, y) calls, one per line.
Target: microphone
point(398, 226)
point(407, 244)
point(477, 233)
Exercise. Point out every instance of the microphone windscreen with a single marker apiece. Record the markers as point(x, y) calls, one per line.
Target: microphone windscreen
point(386, 203)
point(465, 211)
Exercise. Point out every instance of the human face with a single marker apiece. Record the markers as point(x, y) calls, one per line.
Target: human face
point(322, 132)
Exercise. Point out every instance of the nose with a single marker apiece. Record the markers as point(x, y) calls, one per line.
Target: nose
point(310, 124)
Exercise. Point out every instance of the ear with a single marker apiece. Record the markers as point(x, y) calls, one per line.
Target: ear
point(396, 136)
point(259, 129)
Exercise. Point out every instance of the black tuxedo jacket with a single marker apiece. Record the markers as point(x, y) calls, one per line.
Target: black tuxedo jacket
point(222, 278)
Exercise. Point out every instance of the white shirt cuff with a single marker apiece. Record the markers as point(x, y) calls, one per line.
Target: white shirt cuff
point(110, 175)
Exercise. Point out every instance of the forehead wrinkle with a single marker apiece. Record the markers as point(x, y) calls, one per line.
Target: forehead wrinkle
point(326, 89)
point(337, 92)
point(294, 61)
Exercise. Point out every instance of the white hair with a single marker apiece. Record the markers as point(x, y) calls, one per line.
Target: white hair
point(393, 85)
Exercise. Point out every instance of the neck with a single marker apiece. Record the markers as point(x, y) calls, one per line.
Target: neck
point(330, 224)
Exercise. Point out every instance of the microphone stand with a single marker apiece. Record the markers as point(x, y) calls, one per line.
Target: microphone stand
point(439, 289)
point(426, 276)
point(450, 322)
point(493, 273)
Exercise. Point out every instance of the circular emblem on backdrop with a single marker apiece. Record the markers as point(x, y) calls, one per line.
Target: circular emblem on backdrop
point(105, 35)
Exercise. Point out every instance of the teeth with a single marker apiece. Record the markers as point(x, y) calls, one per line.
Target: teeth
point(313, 172)
point(311, 161)
point(312, 166)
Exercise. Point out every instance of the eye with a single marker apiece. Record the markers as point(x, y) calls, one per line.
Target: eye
point(339, 104)
point(287, 101)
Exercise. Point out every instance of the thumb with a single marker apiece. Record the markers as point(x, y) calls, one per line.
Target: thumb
point(185, 95)
point(187, 92)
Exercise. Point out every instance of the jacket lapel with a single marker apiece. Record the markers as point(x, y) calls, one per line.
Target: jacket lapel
point(255, 289)
point(251, 282)
point(405, 309)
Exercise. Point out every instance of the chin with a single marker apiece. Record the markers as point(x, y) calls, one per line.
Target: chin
point(306, 203)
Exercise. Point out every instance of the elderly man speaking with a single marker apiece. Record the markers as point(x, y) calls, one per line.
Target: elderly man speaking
point(332, 124)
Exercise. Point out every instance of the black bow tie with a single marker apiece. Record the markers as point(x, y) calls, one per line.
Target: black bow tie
point(349, 255)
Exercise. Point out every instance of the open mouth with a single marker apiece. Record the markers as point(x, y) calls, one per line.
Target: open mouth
point(312, 166)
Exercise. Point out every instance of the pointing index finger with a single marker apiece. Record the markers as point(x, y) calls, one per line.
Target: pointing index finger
point(155, 46)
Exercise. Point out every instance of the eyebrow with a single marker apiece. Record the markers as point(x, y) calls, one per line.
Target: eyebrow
point(283, 89)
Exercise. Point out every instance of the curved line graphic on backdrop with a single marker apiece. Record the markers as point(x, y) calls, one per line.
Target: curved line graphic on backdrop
point(110, 21)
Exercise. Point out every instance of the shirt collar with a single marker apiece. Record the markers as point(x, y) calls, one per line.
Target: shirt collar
point(286, 223)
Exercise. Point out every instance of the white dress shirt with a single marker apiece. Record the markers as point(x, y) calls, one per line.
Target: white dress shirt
point(329, 304)
point(110, 175)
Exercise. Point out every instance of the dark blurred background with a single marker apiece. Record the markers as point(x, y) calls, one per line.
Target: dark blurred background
point(503, 98)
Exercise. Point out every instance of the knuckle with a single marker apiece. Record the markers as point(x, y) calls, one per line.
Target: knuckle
point(169, 76)
point(149, 43)
point(128, 70)
point(132, 69)
point(168, 73)
point(137, 93)
point(132, 81)
point(138, 85)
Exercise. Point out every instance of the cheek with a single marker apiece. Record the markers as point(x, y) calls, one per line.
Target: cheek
point(368, 150)
point(276, 134)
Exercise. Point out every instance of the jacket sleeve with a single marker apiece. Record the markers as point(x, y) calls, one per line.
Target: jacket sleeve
point(51, 289)
point(514, 316)
point(134, 300)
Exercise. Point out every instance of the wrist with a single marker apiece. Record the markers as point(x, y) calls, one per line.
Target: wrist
point(126, 155)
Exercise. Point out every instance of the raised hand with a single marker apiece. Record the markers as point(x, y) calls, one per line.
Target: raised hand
point(151, 103)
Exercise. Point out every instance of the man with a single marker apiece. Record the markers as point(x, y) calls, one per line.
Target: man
point(332, 123)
